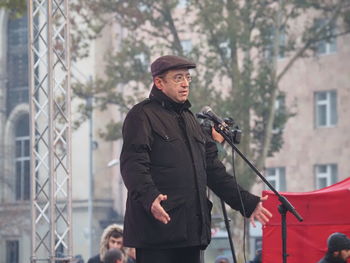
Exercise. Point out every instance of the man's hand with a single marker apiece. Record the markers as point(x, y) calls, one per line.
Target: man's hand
point(158, 211)
point(260, 213)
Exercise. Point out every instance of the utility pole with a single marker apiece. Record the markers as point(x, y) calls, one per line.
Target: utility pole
point(91, 175)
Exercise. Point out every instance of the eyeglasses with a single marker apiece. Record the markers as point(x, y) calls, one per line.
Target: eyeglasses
point(179, 78)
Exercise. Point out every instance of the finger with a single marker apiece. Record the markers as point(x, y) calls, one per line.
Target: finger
point(263, 219)
point(164, 218)
point(264, 198)
point(163, 215)
point(266, 212)
point(162, 197)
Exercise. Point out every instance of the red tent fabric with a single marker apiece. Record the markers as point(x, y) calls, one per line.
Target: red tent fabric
point(324, 211)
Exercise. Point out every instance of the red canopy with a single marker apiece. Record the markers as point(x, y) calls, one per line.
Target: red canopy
point(324, 211)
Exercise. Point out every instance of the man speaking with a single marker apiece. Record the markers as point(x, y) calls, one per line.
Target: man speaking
point(167, 162)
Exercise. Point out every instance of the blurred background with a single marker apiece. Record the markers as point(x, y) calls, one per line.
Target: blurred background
point(280, 69)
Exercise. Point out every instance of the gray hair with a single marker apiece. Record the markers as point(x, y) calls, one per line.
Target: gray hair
point(113, 255)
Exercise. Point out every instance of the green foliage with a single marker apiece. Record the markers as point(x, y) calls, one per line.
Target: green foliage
point(16, 7)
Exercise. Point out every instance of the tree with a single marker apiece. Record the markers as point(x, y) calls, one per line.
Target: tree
point(17, 7)
point(236, 45)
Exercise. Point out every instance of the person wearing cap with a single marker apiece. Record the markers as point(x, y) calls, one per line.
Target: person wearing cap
point(338, 251)
point(167, 161)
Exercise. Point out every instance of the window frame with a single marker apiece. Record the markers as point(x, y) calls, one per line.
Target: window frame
point(328, 45)
point(8, 253)
point(330, 104)
point(331, 174)
point(276, 179)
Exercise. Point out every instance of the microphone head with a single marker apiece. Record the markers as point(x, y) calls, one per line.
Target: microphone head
point(206, 109)
point(200, 115)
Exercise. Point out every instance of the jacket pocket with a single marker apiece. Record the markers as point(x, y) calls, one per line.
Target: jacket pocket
point(208, 219)
point(200, 144)
point(173, 232)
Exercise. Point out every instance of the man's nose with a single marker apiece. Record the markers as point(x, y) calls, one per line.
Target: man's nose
point(185, 83)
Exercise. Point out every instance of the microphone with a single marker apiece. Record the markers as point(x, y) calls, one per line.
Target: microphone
point(207, 111)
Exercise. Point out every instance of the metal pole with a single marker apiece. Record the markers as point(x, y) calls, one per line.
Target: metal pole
point(91, 176)
point(31, 126)
point(52, 174)
point(69, 131)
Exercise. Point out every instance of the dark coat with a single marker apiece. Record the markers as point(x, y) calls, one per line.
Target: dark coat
point(166, 152)
point(329, 258)
point(95, 259)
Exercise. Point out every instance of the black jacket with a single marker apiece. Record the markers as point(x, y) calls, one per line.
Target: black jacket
point(329, 258)
point(95, 259)
point(166, 152)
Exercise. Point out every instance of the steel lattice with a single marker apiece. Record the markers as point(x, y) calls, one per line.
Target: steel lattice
point(50, 130)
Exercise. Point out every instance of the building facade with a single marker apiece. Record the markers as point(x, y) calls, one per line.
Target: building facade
point(88, 167)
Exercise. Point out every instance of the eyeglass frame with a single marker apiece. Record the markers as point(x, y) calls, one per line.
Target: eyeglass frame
point(188, 77)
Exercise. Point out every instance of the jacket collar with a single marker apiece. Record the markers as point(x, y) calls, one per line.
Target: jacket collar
point(166, 102)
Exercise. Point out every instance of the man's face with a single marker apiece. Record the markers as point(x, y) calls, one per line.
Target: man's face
point(175, 84)
point(345, 254)
point(115, 242)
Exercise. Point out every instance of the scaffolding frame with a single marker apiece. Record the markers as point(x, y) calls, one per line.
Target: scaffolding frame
point(50, 130)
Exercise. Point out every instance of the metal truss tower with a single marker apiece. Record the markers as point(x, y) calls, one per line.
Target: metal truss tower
point(49, 71)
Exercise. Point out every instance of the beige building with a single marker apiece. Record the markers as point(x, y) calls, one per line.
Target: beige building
point(316, 146)
point(106, 202)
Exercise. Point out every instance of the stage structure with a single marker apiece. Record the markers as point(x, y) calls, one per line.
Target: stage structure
point(49, 70)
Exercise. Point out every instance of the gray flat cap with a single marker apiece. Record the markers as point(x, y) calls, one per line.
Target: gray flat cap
point(165, 63)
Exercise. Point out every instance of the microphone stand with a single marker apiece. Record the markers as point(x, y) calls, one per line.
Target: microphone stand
point(227, 225)
point(285, 205)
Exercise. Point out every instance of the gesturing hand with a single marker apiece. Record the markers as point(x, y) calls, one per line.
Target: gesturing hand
point(158, 211)
point(260, 213)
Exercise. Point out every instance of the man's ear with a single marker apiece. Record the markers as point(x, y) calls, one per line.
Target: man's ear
point(158, 82)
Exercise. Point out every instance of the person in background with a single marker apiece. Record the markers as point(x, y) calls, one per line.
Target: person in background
point(114, 255)
point(338, 251)
point(112, 237)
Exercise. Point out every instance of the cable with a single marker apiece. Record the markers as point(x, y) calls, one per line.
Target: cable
point(241, 201)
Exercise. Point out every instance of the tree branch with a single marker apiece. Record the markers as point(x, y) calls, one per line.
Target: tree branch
point(309, 42)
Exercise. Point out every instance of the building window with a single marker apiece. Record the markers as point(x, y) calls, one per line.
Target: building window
point(22, 159)
point(12, 251)
point(270, 38)
point(327, 45)
point(326, 108)
point(182, 3)
point(280, 111)
point(326, 175)
point(276, 176)
point(17, 62)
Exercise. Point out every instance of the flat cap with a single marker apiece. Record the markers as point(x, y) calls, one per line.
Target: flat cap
point(338, 241)
point(165, 63)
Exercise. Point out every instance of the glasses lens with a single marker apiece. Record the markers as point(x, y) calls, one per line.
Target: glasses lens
point(181, 78)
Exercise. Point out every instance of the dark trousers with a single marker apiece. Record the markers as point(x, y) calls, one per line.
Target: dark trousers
point(171, 255)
